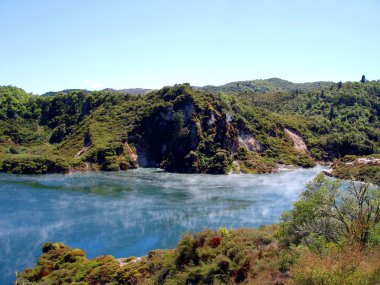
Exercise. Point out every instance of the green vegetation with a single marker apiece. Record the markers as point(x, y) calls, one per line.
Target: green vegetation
point(177, 128)
point(267, 86)
point(365, 169)
point(21, 164)
point(208, 257)
point(342, 119)
point(328, 213)
point(331, 236)
point(250, 127)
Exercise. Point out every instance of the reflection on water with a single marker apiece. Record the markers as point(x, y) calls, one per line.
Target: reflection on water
point(130, 213)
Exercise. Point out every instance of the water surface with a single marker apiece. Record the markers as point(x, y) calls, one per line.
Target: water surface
point(130, 213)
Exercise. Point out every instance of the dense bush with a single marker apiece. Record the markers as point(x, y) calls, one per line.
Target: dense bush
point(332, 234)
point(331, 213)
point(34, 165)
point(187, 130)
point(245, 256)
point(350, 167)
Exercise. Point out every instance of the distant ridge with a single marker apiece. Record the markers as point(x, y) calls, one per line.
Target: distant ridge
point(65, 91)
point(267, 86)
point(251, 86)
point(135, 91)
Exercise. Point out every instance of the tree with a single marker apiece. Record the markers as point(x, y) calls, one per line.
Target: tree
point(332, 212)
point(363, 79)
point(178, 124)
point(331, 114)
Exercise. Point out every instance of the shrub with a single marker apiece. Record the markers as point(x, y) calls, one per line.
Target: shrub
point(215, 241)
point(34, 165)
point(224, 232)
point(185, 252)
point(327, 211)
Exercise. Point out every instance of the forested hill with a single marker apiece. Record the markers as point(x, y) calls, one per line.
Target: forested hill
point(346, 115)
point(191, 130)
point(135, 91)
point(267, 86)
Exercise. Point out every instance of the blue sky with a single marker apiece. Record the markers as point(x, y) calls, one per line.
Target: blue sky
point(58, 44)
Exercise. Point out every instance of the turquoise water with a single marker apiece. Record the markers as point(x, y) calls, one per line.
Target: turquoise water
point(130, 213)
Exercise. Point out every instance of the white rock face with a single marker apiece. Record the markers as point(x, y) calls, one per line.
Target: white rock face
point(82, 151)
point(212, 120)
point(132, 154)
point(298, 142)
point(167, 115)
point(188, 111)
point(364, 160)
point(248, 141)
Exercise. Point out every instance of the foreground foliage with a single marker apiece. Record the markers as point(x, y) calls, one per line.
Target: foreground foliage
point(244, 256)
point(328, 212)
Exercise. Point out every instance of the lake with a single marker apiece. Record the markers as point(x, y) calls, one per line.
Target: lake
point(130, 213)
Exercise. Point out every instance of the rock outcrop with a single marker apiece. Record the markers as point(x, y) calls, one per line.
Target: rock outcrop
point(248, 141)
point(298, 142)
point(87, 143)
point(81, 151)
point(132, 155)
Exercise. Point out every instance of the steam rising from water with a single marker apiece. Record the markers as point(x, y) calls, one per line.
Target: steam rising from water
point(130, 213)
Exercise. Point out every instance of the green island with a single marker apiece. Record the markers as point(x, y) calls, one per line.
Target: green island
point(332, 234)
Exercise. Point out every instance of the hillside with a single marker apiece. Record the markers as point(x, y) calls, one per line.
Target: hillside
point(348, 112)
point(190, 130)
point(264, 86)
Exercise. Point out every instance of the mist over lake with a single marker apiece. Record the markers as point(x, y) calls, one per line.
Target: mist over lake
point(130, 213)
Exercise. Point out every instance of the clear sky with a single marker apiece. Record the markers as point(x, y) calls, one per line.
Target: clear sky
point(59, 44)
